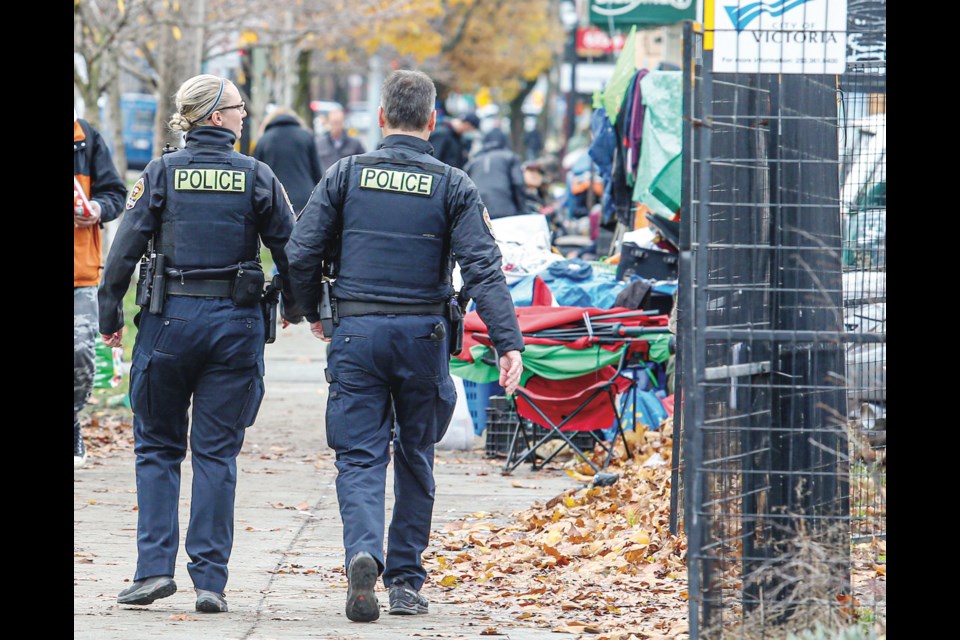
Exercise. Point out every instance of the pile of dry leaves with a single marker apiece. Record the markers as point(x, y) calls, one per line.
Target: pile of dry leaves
point(594, 560)
point(106, 429)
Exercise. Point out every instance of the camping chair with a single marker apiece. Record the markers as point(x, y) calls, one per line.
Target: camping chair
point(555, 410)
point(574, 361)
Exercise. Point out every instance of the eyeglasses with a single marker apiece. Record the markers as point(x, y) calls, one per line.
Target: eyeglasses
point(241, 107)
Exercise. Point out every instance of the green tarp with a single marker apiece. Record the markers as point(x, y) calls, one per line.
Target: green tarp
point(657, 182)
point(623, 72)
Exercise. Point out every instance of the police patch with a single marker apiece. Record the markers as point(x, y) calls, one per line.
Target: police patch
point(209, 180)
point(417, 184)
point(135, 193)
point(486, 221)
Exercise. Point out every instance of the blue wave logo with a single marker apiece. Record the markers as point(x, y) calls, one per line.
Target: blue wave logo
point(742, 16)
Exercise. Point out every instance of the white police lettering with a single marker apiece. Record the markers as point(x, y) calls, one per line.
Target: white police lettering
point(209, 180)
point(418, 184)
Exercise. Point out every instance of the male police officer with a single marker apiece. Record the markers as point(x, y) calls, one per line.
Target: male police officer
point(391, 223)
point(200, 334)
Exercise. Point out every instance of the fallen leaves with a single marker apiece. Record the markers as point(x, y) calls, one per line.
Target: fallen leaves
point(593, 560)
point(106, 434)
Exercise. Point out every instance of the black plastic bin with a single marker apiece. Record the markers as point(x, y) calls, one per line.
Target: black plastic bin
point(502, 423)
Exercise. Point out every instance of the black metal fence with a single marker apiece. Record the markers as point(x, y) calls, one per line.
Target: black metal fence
point(782, 349)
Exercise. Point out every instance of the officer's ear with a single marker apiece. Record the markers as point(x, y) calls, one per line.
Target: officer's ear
point(432, 123)
point(381, 119)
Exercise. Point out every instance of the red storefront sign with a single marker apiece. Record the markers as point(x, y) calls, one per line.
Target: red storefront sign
point(592, 42)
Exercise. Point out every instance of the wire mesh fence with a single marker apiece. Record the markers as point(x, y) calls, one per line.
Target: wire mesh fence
point(782, 343)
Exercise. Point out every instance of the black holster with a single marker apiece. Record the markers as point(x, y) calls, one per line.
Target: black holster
point(270, 302)
point(328, 308)
point(158, 289)
point(455, 315)
point(145, 281)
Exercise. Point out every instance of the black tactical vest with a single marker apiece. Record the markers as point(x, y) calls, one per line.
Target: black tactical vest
point(395, 239)
point(208, 219)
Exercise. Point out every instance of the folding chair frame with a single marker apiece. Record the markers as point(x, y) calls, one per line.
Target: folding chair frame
point(531, 443)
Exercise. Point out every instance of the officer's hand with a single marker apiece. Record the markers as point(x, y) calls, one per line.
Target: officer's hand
point(284, 323)
point(316, 328)
point(82, 221)
point(511, 366)
point(113, 339)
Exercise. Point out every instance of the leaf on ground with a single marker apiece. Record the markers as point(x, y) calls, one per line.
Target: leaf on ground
point(449, 581)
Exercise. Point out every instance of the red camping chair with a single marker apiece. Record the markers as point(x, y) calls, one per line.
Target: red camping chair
point(559, 408)
point(568, 392)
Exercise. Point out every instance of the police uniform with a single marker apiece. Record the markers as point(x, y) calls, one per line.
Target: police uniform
point(393, 221)
point(206, 208)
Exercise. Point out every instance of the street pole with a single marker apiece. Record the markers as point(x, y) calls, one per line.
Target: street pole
point(571, 117)
point(374, 82)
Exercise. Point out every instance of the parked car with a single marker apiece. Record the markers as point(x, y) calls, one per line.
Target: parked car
point(863, 201)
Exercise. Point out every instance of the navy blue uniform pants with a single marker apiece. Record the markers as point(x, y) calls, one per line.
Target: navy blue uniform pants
point(210, 352)
point(388, 370)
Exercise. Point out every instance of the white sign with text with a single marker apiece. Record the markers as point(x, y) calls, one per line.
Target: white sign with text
point(780, 36)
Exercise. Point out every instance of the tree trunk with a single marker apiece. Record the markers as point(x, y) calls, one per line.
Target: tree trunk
point(116, 121)
point(516, 117)
point(301, 93)
point(179, 60)
point(546, 121)
point(90, 92)
point(288, 70)
point(443, 92)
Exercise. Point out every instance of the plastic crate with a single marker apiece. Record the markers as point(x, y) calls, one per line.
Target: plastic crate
point(501, 424)
point(478, 398)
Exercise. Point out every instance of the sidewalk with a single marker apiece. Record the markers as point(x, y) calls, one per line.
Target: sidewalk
point(286, 569)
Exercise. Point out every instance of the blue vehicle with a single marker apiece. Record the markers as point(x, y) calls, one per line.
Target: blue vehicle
point(139, 111)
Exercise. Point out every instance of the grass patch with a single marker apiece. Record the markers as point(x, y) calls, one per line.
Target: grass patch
point(114, 400)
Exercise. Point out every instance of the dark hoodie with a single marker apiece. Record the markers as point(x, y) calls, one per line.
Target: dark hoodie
point(291, 152)
point(497, 172)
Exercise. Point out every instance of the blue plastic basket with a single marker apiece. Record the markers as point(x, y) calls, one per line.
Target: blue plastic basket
point(478, 399)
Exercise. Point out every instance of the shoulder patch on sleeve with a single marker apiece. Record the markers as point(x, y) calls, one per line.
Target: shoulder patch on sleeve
point(486, 221)
point(135, 193)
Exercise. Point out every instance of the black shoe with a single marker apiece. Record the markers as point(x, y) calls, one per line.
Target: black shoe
point(406, 601)
point(362, 605)
point(211, 601)
point(147, 590)
point(79, 449)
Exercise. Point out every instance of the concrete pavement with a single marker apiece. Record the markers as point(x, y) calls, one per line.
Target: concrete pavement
point(286, 569)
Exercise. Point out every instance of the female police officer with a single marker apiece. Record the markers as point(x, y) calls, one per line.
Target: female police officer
point(204, 209)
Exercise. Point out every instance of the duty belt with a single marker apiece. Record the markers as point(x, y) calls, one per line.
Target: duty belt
point(347, 308)
point(199, 288)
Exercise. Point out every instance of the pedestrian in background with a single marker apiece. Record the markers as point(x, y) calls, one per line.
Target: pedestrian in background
point(335, 142)
point(452, 139)
point(288, 147)
point(534, 188)
point(199, 344)
point(497, 172)
point(398, 220)
point(104, 192)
